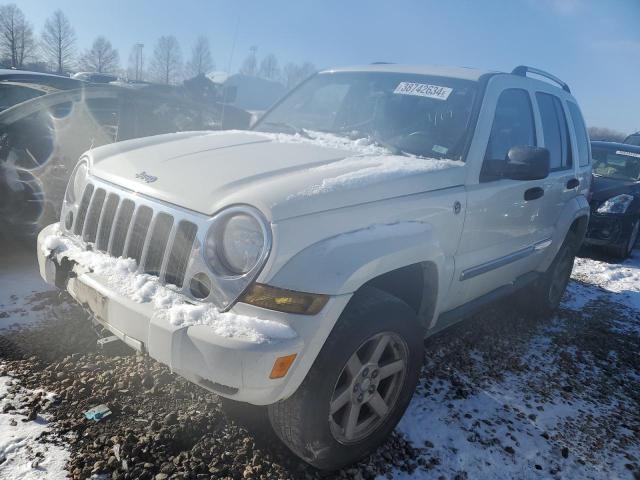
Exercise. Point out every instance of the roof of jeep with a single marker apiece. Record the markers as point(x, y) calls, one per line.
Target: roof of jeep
point(434, 70)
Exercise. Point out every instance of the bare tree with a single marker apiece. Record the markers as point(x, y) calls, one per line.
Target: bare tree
point(102, 58)
point(16, 36)
point(167, 60)
point(294, 73)
point(58, 41)
point(269, 67)
point(250, 64)
point(201, 62)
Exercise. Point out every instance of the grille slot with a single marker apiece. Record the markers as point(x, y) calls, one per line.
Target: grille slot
point(82, 210)
point(180, 253)
point(138, 233)
point(108, 214)
point(121, 227)
point(93, 216)
point(158, 243)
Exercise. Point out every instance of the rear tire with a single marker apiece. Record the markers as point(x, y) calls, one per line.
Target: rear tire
point(359, 385)
point(548, 290)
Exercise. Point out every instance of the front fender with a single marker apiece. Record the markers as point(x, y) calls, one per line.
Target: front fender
point(341, 264)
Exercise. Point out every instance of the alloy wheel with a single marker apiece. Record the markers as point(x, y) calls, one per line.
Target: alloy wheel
point(368, 387)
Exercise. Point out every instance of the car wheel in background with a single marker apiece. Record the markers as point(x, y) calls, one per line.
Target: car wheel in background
point(624, 251)
point(359, 385)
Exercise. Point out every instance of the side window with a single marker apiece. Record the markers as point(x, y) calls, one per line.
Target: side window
point(512, 124)
point(554, 128)
point(581, 134)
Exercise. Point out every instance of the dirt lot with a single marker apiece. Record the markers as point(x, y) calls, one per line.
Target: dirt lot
point(501, 396)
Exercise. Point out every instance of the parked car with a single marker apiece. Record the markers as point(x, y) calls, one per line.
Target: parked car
point(45, 130)
point(299, 266)
point(615, 202)
point(95, 77)
point(633, 139)
point(17, 86)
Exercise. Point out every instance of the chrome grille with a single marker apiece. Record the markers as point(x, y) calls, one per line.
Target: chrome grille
point(122, 228)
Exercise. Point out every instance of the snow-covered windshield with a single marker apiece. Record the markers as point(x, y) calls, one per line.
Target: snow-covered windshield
point(409, 113)
point(618, 164)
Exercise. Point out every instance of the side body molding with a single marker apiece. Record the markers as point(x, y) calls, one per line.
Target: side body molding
point(342, 263)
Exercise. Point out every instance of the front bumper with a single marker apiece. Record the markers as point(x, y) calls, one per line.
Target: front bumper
point(231, 367)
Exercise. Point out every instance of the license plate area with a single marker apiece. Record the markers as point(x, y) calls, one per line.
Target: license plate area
point(90, 298)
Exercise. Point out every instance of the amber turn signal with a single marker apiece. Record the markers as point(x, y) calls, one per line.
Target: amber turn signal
point(281, 366)
point(283, 300)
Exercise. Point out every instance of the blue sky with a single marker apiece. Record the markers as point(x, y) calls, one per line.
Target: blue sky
point(593, 45)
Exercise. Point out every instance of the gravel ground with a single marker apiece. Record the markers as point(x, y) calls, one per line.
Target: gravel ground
point(501, 396)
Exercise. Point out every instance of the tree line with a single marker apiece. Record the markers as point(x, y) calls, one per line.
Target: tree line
point(55, 49)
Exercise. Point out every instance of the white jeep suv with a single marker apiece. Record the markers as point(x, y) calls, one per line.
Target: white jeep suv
point(300, 264)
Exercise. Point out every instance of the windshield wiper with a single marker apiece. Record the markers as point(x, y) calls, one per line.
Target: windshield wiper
point(296, 130)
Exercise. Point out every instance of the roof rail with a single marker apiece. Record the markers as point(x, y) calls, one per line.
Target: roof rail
point(522, 71)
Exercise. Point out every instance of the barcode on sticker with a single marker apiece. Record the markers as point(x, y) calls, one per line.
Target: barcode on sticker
point(423, 90)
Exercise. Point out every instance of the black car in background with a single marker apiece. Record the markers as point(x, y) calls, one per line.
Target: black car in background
point(633, 139)
point(615, 200)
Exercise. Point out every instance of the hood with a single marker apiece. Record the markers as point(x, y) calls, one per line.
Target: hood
point(603, 188)
point(282, 175)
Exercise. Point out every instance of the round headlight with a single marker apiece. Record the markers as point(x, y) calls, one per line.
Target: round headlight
point(78, 182)
point(238, 244)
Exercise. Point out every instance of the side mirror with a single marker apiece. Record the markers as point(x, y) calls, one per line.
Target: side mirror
point(526, 163)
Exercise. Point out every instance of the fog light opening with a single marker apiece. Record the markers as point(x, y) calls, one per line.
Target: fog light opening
point(200, 286)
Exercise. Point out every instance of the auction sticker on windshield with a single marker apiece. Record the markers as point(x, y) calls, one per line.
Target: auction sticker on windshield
point(423, 90)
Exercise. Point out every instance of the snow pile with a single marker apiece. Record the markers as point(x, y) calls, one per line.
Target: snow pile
point(621, 279)
point(22, 455)
point(120, 274)
point(360, 172)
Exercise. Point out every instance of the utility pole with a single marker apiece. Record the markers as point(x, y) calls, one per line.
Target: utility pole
point(139, 47)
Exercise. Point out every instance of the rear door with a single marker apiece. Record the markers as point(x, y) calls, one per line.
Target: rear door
point(502, 230)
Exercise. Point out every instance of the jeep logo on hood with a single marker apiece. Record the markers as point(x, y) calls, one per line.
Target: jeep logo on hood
point(145, 177)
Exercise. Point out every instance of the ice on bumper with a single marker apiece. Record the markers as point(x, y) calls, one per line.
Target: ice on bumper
point(121, 275)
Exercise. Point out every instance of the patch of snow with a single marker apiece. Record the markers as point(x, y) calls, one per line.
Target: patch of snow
point(621, 279)
point(359, 172)
point(20, 287)
point(362, 146)
point(120, 274)
point(22, 455)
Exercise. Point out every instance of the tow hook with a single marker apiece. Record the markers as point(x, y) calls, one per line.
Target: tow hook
point(63, 271)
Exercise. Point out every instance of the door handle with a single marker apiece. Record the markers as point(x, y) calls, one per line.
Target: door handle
point(533, 193)
point(573, 183)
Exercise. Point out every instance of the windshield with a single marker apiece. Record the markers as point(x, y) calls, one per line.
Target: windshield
point(618, 164)
point(633, 140)
point(412, 114)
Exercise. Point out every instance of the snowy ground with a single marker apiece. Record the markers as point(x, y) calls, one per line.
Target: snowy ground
point(500, 396)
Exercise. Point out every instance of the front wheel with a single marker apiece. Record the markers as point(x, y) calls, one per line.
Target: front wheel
point(624, 251)
point(359, 386)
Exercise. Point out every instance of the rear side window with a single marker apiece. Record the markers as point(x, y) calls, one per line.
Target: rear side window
point(512, 124)
point(554, 128)
point(581, 134)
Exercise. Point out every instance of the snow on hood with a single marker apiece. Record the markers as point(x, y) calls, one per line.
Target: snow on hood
point(209, 171)
point(121, 276)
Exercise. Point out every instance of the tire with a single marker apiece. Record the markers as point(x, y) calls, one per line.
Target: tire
point(345, 375)
point(623, 252)
point(548, 291)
